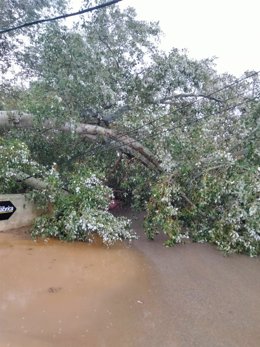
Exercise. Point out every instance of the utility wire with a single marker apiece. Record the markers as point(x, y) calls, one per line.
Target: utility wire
point(179, 109)
point(127, 133)
point(237, 81)
point(198, 120)
point(120, 146)
point(39, 21)
point(170, 129)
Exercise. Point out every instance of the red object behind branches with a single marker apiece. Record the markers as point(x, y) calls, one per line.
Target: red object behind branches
point(114, 204)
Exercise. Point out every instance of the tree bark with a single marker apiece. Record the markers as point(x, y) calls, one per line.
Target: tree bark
point(16, 119)
point(31, 182)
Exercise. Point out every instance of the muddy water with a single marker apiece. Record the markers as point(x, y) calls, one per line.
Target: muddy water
point(58, 294)
point(75, 295)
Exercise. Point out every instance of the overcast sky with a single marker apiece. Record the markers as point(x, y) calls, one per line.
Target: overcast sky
point(227, 29)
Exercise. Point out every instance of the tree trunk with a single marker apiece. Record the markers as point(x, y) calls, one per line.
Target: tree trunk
point(16, 119)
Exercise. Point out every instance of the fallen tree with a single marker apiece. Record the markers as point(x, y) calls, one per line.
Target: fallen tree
point(16, 119)
point(76, 202)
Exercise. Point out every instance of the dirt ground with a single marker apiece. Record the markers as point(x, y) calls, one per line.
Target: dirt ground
point(55, 294)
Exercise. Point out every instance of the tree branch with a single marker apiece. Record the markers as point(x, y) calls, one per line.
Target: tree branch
point(16, 119)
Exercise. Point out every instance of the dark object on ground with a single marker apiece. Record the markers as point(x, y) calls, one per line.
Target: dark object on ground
point(114, 204)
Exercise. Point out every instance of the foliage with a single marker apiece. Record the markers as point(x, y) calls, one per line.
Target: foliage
point(80, 211)
point(109, 67)
point(14, 160)
point(217, 203)
point(131, 181)
point(74, 213)
point(17, 12)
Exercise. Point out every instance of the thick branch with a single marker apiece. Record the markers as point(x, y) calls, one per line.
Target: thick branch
point(31, 181)
point(15, 119)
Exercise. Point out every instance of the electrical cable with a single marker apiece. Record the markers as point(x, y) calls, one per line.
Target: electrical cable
point(195, 101)
point(116, 147)
point(44, 20)
point(179, 109)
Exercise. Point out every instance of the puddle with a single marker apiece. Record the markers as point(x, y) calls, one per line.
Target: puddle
point(59, 294)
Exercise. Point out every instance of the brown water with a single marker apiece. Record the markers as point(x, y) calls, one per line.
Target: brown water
point(58, 294)
point(75, 295)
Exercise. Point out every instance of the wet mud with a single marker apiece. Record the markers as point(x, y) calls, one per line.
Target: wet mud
point(75, 294)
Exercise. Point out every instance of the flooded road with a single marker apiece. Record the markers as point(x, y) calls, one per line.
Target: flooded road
point(59, 294)
point(85, 295)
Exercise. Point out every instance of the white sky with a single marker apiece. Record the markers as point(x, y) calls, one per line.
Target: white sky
point(227, 29)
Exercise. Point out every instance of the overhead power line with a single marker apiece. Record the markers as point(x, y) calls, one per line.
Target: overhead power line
point(44, 20)
point(159, 128)
point(118, 146)
point(209, 96)
point(127, 133)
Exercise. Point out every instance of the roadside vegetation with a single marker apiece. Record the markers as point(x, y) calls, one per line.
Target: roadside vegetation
point(98, 112)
